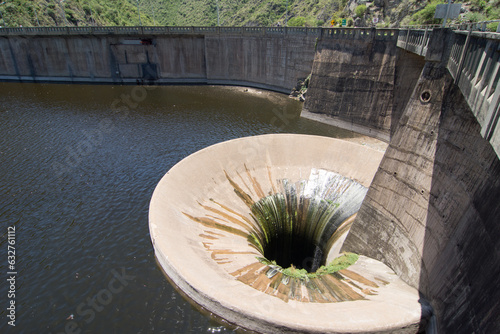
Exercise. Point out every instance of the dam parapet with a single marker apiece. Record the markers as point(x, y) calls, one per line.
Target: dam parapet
point(155, 30)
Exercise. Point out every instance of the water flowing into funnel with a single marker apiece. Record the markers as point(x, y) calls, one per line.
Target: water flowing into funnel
point(292, 227)
point(302, 217)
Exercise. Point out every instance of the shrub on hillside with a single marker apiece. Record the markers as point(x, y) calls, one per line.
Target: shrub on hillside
point(426, 15)
point(86, 8)
point(475, 17)
point(493, 26)
point(360, 10)
point(297, 21)
point(477, 5)
point(51, 13)
point(70, 16)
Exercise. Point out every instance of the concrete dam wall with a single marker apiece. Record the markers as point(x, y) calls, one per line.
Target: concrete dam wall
point(258, 57)
point(432, 212)
point(361, 81)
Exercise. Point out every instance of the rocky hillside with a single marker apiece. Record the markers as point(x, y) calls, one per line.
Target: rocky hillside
point(380, 13)
point(394, 13)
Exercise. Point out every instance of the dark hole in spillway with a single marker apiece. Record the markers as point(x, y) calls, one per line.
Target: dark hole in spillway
point(299, 252)
point(298, 222)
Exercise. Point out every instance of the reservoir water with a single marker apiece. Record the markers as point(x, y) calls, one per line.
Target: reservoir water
point(78, 165)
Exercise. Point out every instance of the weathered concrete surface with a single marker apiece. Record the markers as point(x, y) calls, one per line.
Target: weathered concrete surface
point(432, 212)
point(203, 261)
point(386, 219)
point(276, 61)
point(353, 83)
point(408, 69)
point(273, 62)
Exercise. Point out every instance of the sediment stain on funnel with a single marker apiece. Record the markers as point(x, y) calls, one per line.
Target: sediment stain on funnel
point(290, 228)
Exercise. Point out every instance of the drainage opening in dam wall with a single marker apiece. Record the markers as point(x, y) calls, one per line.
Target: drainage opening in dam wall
point(251, 229)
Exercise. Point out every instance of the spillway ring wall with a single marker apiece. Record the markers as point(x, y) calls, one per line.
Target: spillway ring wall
point(208, 240)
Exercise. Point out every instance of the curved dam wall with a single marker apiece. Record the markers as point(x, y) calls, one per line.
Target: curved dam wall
point(432, 212)
point(361, 81)
point(270, 58)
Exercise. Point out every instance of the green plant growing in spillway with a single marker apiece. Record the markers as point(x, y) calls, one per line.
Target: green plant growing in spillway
point(342, 262)
point(339, 263)
point(295, 273)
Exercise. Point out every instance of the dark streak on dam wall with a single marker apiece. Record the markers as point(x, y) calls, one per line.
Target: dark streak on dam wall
point(272, 62)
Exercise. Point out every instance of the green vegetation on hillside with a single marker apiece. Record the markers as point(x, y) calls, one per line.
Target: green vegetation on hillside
point(477, 11)
point(70, 13)
point(246, 12)
point(426, 14)
point(168, 12)
point(482, 10)
point(234, 13)
point(360, 10)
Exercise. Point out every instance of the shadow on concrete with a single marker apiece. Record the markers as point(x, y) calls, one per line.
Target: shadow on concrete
point(432, 213)
point(460, 268)
point(408, 69)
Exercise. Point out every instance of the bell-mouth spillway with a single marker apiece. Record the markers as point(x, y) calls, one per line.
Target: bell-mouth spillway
point(251, 230)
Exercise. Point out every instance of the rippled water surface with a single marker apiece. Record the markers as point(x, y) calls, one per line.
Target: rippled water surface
point(78, 165)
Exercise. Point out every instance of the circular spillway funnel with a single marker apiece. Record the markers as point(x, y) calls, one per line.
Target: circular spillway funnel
point(250, 230)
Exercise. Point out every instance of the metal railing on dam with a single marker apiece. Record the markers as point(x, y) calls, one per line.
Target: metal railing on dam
point(155, 30)
point(474, 64)
point(354, 33)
